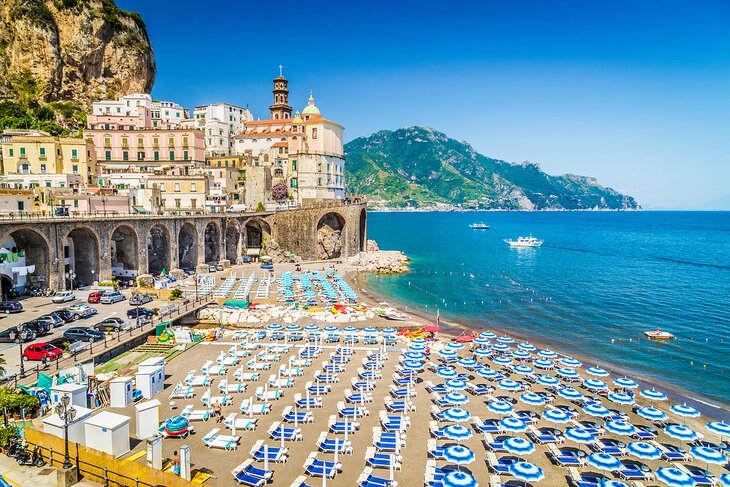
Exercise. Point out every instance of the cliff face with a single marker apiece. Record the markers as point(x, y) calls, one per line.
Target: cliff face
point(72, 50)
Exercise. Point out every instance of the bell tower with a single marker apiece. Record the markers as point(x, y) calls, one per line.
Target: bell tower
point(280, 109)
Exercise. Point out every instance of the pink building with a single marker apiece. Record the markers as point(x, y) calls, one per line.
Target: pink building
point(141, 120)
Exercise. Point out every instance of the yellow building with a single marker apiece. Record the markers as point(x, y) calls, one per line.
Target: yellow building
point(227, 184)
point(183, 192)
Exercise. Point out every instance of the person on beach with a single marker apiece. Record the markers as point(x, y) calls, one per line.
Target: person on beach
point(218, 412)
point(175, 463)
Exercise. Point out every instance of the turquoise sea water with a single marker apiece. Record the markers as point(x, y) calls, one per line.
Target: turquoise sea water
point(599, 277)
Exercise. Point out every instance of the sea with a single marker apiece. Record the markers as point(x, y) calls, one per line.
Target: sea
point(598, 282)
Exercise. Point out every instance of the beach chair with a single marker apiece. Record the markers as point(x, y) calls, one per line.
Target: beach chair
point(329, 445)
point(195, 414)
point(401, 406)
point(277, 430)
point(304, 402)
point(491, 444)
point(182, 391)
point(608, 446)
point(245, 424)
point(563, 459)
point(226, 388)
point(258, 409)
point(272, 453)
point(216, 440)
point(643, 433)
point(250, 475)
point(208, 400)
point(301, 481)
point(291, 372)
point(489, 426)
point(336, 426)
point(358, 397)
point(697, 474)
point(242, 376)
point(280, 382)
point(630, 471)
point(479, 389)
point(291, 416)
point(496, 466)
point(543, 437)
point(351, 411)
point(593, 428)
point(214, 369)
point(671, 453)
point(197, 380)
point(527, 417)
point(368, 479)
point(382, 460)
point(320, 468)
point(318, 390)
point(434, 451)
point(264, 394)
point(300, 363)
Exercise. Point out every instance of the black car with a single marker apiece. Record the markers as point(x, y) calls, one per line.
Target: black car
point(8, 307)
point(137, 299)
point(83, 333)
point(112, 324)
point(16, 334)
point(135, 312)
point(66, 315)
point(39, 327)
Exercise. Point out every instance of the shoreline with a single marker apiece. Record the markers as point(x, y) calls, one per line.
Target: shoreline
point(358, 280)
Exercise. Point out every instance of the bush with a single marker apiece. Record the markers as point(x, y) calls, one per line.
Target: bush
point(260, 207)
point(279, 191)
point(176, 294)
point(16, 401)
point(6, 434)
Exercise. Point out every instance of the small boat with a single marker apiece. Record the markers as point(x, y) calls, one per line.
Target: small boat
point(479, 226)
point(395, 316)
point(658, 335)
point(525, 242)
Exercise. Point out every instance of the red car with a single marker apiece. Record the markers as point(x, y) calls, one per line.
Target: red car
point(43, 352)
point(95, 296)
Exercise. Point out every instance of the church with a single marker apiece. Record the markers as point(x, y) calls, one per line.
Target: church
point(302, 153)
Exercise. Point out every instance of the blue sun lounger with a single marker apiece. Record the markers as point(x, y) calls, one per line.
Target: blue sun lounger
point(320, 468)
point(381, 460)
point(361, 385)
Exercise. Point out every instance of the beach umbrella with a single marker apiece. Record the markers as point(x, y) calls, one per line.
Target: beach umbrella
point(458, 454)
point(330, 329)
point(684, 411)
point(482, 341)
point(500, 407)
point(543, 363)
point(644, 450)
point(603, 461)
point(720, 427)
point(456, 398)
point(457, 415)
point(570, 393)
point(274, 327)
point(620, 398)
point(293, 327)
point(311, 328)
point(568, 373)
point(413, 365)
point(626, 383)
point(482, 352)
point(597, 371)
point(620, 427)
point(509, 385)
point(458, 478)
point(505, 339)
point(446, 373)
point(652, 414)
point(680, 432)
point(526, 471)
point(455, 385)
point(456, 432)
point(487, 373)
point(725, 479)
point(547, 380)
point(369, 330)
point(415, 347)
point(349, 329)
point(579, 435)
point(419, 340)
point(532, 399)
point(389, 331)
point(595, 409)
point(674, 477)
point(502, 360)
point(500, 347)
point(518, 446)
point(414, 356)
point(556, 416)
point(455, 345)
point(571, 362)
point(521, 355)
point(547, 353)
point(594, 384)
point(488, 334)
point(653, 395)
point(447, 353)
point(467, 363)
point(512, 425)
point(523, 370)
point(708, 455)
point(612, 483)
point(527, 347)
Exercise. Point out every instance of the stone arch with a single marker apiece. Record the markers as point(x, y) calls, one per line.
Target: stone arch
point(331, 236)
point(233, 235)
point(36, 252)
point(124, 246)
point(211, 242)
point(82, 256)
point(363, 230)
point(255, 231)
point(187, 244)
point(158, 249)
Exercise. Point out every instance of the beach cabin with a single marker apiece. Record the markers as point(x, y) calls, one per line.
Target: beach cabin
point(76, 428)
point(151, 363)
point(120, 390)
point(147, 418)
point(108, 432)
point(150, 381)
point(77, 393)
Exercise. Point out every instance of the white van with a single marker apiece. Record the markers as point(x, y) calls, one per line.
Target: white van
point(236, 208)
point(63, 296)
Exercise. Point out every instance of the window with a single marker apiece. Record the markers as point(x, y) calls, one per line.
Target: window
point(177, 187)
point(314, 133)
point(193, 204)
point(140, 142)
point(155, 142)
point(43, 152)
point(74, 154)
point(185, 155)
point(125, 155)
point(193, 187)
point(157, 155)
point(75, 169)
point(108, 155)
point(125, 142)
point(140, 156)
point(43, 168)
point(293, 182)
point(172, 155)
point(171, 142)
point(319, 181)
point(185, 141)
point(177, 202)
point(48, 184)
point(162, 187)
point(22, 152)
point(294, 165)
point(21, 205)
point(76, 203)
point(106, 126)
point(10, 152)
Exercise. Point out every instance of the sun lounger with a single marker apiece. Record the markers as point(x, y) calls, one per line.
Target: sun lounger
point(489, 426)
point(273, 453)
point(496, 465)
point(242, 376)
point(358, 397)
point(336, 426)
point(608, 446)
point(280, 382)
point(246, 424)
point(332, 368)
point(670, 453)
point(562, 458)
point(362, 385)
point(300, 363)
point(351, 411)
point(227, 388)
point(195, 414)
point(304, 402)
point(434, 451)
point(214, 369)
point(329, 445)
point(277, 430)
point(268, 395)
point(643, 434)
point(527, 417)
point(251, 469)
point(320, 468)
point(291, 416)
point(491, 444)
point(629, 471)
point(479, 389)
point(400, 406)
point(543, 437)
point(291, 372)
point(254, 365)
point(301, 481)
point(208, 400)
point(197, 380)
point(228, 359)
point(182, 391)
point(382, 460)
point(258, 408)
point(216, 440)
point(368, 479)
point(697, 474)
point(394, 423)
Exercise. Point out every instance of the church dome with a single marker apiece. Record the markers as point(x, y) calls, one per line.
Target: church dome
point(297, 120)
point(310, 109)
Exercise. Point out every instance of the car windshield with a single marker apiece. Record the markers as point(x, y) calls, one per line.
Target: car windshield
point(48, 347)
point(61, 293)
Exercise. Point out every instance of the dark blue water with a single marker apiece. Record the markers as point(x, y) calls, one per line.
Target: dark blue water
point(599, 277)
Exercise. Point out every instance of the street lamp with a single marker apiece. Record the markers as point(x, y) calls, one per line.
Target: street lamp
point(67, 415)
point(20, 348)
point(71, 277)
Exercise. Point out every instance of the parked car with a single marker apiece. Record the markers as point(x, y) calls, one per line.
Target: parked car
point(83, 310)
point(140, 299)
point(111, 297)
point(39, 327)
point(65, 315)
point(8, 307)
point(83, 333)
point(134, 312)
point(211, 268)
point(94, 297)
point(63, 296)
point(74, 345)
point(53, 320)
point(16, 334)
point(43, 352)
point(219, 267)
point(112, 324)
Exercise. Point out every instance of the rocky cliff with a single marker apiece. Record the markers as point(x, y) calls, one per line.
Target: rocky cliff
point(72, 50)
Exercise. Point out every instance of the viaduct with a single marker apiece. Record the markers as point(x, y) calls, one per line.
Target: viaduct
point(147, 244)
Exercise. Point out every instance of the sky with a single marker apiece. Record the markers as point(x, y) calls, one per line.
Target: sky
point(636, 94)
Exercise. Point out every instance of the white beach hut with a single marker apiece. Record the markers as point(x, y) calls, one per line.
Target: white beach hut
point(77, 393)
point(147, 418)
point(108, 432)
point(76, 429)
point(120, 390)
point(150, 381)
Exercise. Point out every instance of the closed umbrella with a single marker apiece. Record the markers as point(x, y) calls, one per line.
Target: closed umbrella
point(579, 435)
point(674, 477)
point(643, 450)
point(518, 446)
point(603, 461)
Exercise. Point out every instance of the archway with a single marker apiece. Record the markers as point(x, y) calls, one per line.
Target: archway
point(330, 236)
point(158, 249)
point(363, 230)
point(35, 252)
point(212, 243)
point(255, 230)
point(82, 256)
point(124, 252)
point(187, 243)
point(232, 236)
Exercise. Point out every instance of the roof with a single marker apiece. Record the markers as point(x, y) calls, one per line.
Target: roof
point(106, 419)
point(281, 144)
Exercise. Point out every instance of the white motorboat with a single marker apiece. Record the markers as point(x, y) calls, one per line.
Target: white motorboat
point(525, 242)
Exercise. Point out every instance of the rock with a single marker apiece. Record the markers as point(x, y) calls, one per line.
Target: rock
point(381, 262)
point(178, 274)
point(145, 280)
point(372, 246)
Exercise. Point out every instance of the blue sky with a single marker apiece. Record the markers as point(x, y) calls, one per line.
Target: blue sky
point(636, 94)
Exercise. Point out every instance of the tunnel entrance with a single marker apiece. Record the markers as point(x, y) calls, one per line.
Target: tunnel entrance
point(212, 243)
point(124, 251)
point(330, 236)
point(83, 258)
point(187, 243)
point(255, 231)
point(232, 236)
point(158, 250)
point(7, 286)
point(34, 252)
point(363, 230)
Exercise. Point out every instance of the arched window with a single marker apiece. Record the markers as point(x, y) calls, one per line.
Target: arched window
point(266, 158)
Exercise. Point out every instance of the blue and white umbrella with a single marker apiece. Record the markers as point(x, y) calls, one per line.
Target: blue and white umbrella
point(595, 409)
point(456, 432)
point(293, 327)
point(543, 363)
point(500, 407)
point(413, 365)
point(512, 425)
point(548, 380)
point(488, 334)
point(532, 399)
point(571, 362)
point(502, 360)
point(330, 329)
point(527, 347)
point(419, 341)
point(603, 461)
point(620, 427)
point(556, 416)
point(482, 352)
point(389, 331)
point(626, 383)
point(311, 328)
point(684, 411)
point(612, 483)
point(653, 395)
point(597, 371)
point(518, 446)
point(369, 330)
point(415, 347)
point(446, 373)
point(274, 327)
point(467, 363)
point(457, 415)
point(349, 329)
point(652, 414)
point(620, 398)
point(579, 435)
point(487, 373)
point(458, 478)
point(458, 454)
point(725, 479)
point(570, 393)
point(674, 477)
point(594, 384)
point(509, 385)
point(547, 353)
point(568, 373)
point(447, 353)
point(708, 455)
point(414, 356)
point(500, 347)
point(521, 355)
point(482, 341)
point(456, 398)
point(455, 385)
point(523, 370)
point(526, 471)
point(719, 427)
point(505, 339)
point(680, 432)
point(644, 450)
point(455, 345)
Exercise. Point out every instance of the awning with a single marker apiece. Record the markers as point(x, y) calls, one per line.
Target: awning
point(141, 209)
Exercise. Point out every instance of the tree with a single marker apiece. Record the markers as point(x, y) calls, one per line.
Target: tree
point(2, 368)
point(279, 191)
point(260, 207)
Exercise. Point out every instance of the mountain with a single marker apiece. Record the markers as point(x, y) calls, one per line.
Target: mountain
point(72, 51)
point(418, 166)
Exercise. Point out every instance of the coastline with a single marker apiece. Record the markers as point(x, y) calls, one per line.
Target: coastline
point(358, 280)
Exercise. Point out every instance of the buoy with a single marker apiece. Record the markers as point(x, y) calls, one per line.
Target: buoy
point(691, 363)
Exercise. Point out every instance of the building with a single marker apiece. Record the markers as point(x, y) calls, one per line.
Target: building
point(136, 112)
point(16, 201)
point(227, 183)
point(220, 122)
point(181, 192)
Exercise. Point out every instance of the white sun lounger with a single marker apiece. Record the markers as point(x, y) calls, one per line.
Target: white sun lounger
point(246, 424)
point(182, 391)
point(216, 440)
point(197, 380)
point(208, 400)
point(258, 408)
point(292, 372)
point(242, 376)
point(227, 388)
point(269, 395)
point(280, 382)
point(195, 414)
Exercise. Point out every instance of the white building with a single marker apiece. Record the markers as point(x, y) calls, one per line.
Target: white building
point(220, 122)
point(150, 113)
